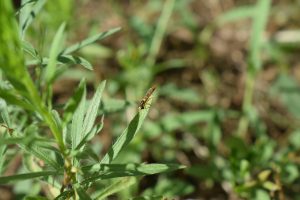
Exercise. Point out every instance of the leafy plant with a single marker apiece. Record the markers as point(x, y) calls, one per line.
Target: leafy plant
point(66, 164)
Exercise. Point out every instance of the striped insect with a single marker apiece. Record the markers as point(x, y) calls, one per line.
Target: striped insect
point(146, 98)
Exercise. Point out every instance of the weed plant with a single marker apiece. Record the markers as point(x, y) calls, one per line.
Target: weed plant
point(55, 145)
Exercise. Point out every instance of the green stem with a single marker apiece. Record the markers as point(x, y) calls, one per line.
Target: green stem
point(160, 32)
point(247, 103)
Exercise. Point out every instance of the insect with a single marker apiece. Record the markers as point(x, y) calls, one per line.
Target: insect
point(146, 98)
point(10, 130)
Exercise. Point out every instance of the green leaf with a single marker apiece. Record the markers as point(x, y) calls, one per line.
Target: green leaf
point(89, 40)
point(27, 141)
point(14, 140)
point(181, 94)
point(271, 186)
point(74, 101)
point(92, 110)
point(29, 49)
point(69, 59)
point(261, 195)
point(12, 58)
point(287, 89)
point(54, 52)
point(42, 154)
point(27, 15)
point(20, 177)
point(65, 195)
point(169, 187)
point(77, 121)
point(173, 121)
point(154, 197)
point(5, 117)
point(82, 193)
point(34, 149)
point(83, 120)
point(127, 135)
point(260, 17)
point(290, 172)
point(4, 112)
point(9, 95)
point(110, 105)
point(115, 187)
point(294, 139)
point(90, 135)
point(35, 198)
point(236, 14)
point(108, 171)
point(57, 119)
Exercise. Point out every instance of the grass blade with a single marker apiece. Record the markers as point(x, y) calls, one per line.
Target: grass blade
point(260, 18)
point(89, 40)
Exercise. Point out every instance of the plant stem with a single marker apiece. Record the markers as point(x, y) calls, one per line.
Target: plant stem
point(247, 103)
point(160, 32)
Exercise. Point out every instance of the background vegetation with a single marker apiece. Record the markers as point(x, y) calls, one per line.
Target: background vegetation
point(226, 104)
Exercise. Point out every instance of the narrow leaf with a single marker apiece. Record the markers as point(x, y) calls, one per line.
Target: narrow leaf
point(236, 14)
point(174, 121)
point(6, 119)
point(4, 112)
point(90, 135)
point(89, 40)
point(77, 121)
point(108, 171)
point(20, 177)
point(42, 154)
point(260, 18)
point(127, 135)
point(34, 149)
point(10, 97)
point(29, 49)
point(82, 193)
point(74, 101)
point(69, 59)
point(26, 15)
point(115, 187)
point(54, 52)
point(92, 110)
point(65, 195)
